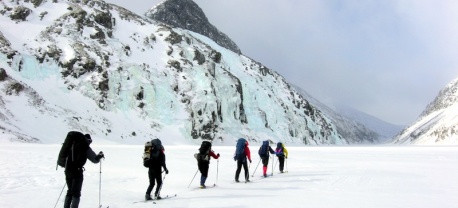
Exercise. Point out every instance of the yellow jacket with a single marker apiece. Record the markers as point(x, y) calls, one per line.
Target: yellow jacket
point(285, 151)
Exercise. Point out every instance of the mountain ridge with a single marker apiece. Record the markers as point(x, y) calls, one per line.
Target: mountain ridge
point(188, 15)
point(354, 131)
point(438, 123)
point(101, 69)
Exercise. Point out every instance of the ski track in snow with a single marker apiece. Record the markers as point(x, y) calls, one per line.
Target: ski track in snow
point(378, 176)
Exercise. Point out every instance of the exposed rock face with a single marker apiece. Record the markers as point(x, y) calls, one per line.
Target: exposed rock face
point(188, 15)
point(110, 67)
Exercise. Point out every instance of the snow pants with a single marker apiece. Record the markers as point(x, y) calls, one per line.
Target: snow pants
point(265, 162)
point(203, 168)
point(74, 179)
point(239, 169)
point(155, 176)
point(281, 160)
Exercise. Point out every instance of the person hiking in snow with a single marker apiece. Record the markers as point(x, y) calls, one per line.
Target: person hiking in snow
point(203, 160)
point(73, 156)
point(242, 153)
point(155, 164)
point(263, 152)
point(281, 153)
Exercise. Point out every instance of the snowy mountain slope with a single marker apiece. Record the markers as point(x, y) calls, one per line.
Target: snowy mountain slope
point(353, 131)
point(188, 15)
point(438, 124)
point(385, 130)
point(101, 69)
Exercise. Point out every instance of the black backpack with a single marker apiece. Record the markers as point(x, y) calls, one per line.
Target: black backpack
point(72, 154)
point(204, 151)
point(240, 149)
point(264, 149)
point(151, 152)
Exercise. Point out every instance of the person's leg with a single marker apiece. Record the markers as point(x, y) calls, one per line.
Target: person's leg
point(237, 172)
point(151, 185)
point(204, 171)
point(77, 184)
point(247, 174)
point(282, 163)
point(265, 162)
point(74, 181)
point(68, 197)
point(158, 177)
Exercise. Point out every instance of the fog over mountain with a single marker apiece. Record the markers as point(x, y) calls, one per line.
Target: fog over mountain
point(386, 131)
point(355, 132)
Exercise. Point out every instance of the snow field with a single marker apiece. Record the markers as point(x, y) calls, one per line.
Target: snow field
point(380, 176)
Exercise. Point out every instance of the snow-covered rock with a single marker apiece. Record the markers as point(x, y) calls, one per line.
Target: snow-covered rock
point(438, 124)
point(101, 69)
point(188, 15)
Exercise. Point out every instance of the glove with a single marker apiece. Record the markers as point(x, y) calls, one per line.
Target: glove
point(250, 161)
point(217, 155)
point(100, 155)
point(166, 171)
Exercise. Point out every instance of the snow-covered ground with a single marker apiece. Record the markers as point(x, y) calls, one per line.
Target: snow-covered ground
point(378, 176)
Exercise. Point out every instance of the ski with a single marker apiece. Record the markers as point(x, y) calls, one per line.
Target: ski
point(251, 180)
point(206, 187)
point(155, 200)
point(145, 201)
point(166, 197)
point(261, 177)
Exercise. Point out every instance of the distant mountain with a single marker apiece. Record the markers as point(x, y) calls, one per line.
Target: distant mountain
point(188, 15)
point(352, 130)
point(385, 130)
point(101, 69)
point(438, 124)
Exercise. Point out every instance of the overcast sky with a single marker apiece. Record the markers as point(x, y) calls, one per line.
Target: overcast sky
point(387, 58)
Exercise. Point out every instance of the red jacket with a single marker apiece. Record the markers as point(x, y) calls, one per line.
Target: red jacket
point(213, 154)
point(247, 151)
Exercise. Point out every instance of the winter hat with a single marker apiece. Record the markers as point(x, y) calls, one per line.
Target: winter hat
point(88, 137)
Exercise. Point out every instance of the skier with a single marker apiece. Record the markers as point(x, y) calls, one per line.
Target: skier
point(156, 163)
point(281, 153)
point(263, 152)
point(242, 153)
point(75, 161)
point(203, 161)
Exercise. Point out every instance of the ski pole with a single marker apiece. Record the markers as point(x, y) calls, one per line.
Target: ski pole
point(160, 187)
point(256, 168)
point(100, 183)
point(286, 164)
point(217, 171)
point(193, 178)
point(275, 166)
point(60, 194)
point(247, 174)
point(273, 161)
